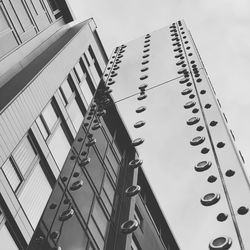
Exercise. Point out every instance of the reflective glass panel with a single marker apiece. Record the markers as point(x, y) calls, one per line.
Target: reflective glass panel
point(79, 71)
point(66, 89)
point(59, 146)
point(86, 91)
point(7, 242)
point(24, 155)
point(49, 116)
point(11, 174)
point(42, 128)
point(100, 218)
point(96, 234)
point(35, 194)
point(75, 114)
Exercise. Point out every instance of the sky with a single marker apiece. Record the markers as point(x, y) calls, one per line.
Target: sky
point(221, 31)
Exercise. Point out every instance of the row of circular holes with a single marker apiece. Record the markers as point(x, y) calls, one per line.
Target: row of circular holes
point(131, 225)
point(211, 198)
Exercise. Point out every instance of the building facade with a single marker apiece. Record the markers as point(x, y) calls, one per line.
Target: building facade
point(83, 140)
point(50, 70)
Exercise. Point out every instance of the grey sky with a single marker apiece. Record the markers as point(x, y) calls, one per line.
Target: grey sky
point(221, 31)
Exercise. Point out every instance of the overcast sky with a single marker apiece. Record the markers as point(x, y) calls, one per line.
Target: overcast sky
point(221, 31)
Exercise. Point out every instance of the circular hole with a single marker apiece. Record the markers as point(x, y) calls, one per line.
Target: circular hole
point(182, 32)
point(106, 74)
point(213, 123)
point(53, 206)
point(141, 97)
point(186, 91)
point(146, 50)
point(139, 124)
point(220, 144)
point(137, 142)
point(195, 110)
point(221, 217)
point(199, 128)
point(184, 37)
point(220, 243)
point(190, 54)
point(183, 65)
point(144, 69)
point(129, 226)
point(197, 140)
point(198, 80)
point(203, 92)
point(189, 104)
point(197, 75)
point(203, 166)
point(208, 105)
point(72, 157)
point(178, 55)
point(147, 41)
point(204, 150)
point(211, 179)
point(140, 109)
point(132, 190)
point(64, 178)
point(145, 56)
point(210, 199)
point(182, 57)
point(188, 84)
point(146, 45)
point(193, 120)
point(192, 62)
point(66, 201)
point(242, 210)
point(135, 163)
point(184, 80)
point(230, 173)
point(188, 48)
point(76, 174)
point(191, 96)
point(180, 62)
point(186, 42)
point(145, 62)
point(143, 77)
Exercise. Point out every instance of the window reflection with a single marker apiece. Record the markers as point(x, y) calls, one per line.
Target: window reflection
point(59, 146)
point(75, 114)
point(35, 194)
point(11, 174)
point(86, 91)
point(49, 116)
point(7, 242)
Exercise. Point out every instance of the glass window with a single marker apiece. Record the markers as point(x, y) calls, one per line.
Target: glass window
point(59, 146)
point(86, 91)
point(138, 216)
point(42, 128)
point(79, 71)
point(113, 162)
point(75, 114)
point(66, 90)
point(107, 186)
point(96, 234)
point(110, 169)
point(35, 194)
point(24, 155)
point(49, 116)
point(3, 22)
point(134, 244)
point(94, 73)
point(11, 174)
point(100, 218)
point(7, 242)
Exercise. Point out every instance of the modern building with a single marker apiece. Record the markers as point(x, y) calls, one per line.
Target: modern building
point(49, 72)
point(83, 140)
